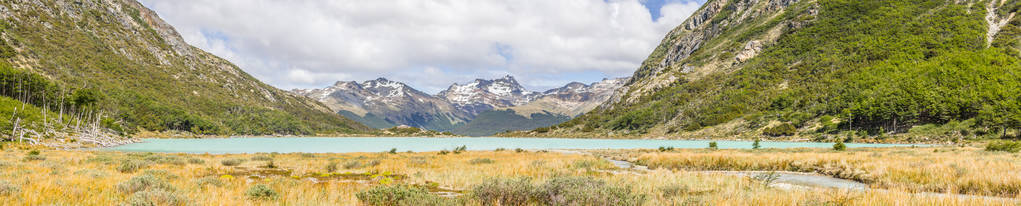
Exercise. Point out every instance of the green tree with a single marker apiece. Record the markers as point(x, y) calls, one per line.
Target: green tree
point(839, 146)
point(756, 144)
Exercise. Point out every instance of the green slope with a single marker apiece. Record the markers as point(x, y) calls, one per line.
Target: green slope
point(144, 77)
point(869, 66)
point(369, 119)
point(496, 121)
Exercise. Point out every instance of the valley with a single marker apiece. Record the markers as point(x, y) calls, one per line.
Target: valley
point(737, 102)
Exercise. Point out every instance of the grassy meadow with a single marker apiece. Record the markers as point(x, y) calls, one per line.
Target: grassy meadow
point(40, 176)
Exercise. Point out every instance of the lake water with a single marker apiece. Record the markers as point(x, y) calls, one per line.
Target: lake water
point(421, 144)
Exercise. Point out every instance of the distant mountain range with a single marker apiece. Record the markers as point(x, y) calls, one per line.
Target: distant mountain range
point(478, 108)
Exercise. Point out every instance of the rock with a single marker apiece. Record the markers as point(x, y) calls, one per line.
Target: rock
point(751, 49)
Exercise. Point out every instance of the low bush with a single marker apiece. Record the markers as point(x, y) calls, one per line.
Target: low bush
point(353, 164)
point(261, 191)
point(210, 181)
point(129, 166)
point(331, 167)
point(785, 129)
point(261, 158)
point(143, 182)
point(1004, 146)
point(232, 162)
point(477, 161)
point(372, 163)
point(713, 146)
point(34, 158)
point(839, 146)
point(196, 161)
point(556, 191)
point(586, 191)
point(510, 192)
point(400, 195)
point(7, 188)
point(156, 197)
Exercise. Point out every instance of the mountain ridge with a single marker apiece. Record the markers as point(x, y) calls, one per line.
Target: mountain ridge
point(455, 108)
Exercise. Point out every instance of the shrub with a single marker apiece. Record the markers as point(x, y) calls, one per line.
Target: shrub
point(212, 181)
point(713, 146)
point(129, 166)
point(511, 192)
point(270, 165)
point(500, 149)
point(7, 188)
point(757, 144)
point(556, 191)
point(231, 162)
point(785, 129)
point(480, 161)
point(196, 161)
point(34, 158)
point(33, 152)
point(156, 197)
point(353, 164)
point(839, 146)
point(331, 167)
point(459, 150)
point(260, 191)
point(444, 152)
point(393, 151)
point(372, 163)
point(1004, 146)
point(519, 150)
point(400, 195)
point(586, 191)
point(262, 158)
point(143, 182)
point(766, 178)
point(664, 149)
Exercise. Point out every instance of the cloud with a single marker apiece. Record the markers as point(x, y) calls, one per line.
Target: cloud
point(429, 44)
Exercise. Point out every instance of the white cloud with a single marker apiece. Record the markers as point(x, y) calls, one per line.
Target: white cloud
point(308, 43)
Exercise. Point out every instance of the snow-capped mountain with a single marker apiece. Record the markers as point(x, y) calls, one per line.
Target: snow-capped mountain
point(382, 103)
point(572, 99)
point(483, 95)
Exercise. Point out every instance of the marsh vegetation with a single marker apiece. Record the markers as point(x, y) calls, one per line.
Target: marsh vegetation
point(502, 177)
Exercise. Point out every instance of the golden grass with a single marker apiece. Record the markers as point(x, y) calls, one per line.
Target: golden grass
point(946, 170)
point(91, 177)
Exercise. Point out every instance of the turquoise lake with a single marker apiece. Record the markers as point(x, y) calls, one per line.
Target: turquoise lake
point(421, 144)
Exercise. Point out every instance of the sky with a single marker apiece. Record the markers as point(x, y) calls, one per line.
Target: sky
point(428, 44)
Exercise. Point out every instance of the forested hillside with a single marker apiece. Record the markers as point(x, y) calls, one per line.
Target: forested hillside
point(864, 69)
point(116, 63)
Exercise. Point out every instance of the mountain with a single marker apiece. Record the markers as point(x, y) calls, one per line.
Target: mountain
point(572, 99)
point(481, 107)
point(116, 63)
point(552, 107)
point(820, 68)
point(382, 103)
point(482, 95)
